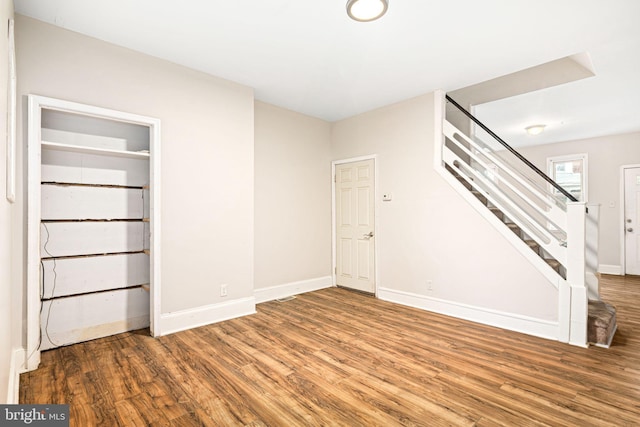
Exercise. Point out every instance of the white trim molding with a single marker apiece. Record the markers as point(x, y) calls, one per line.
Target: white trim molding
point(11, 118)
point(294, 288)
point(616, 270)
point(621, 215)
point(200, 316)
point(513, 322)
point(16, 367)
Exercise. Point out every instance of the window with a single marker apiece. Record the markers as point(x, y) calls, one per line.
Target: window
point(570, 172)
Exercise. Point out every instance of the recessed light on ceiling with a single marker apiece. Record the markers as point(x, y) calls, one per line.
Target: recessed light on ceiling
point(366, 10)
point(535, 129)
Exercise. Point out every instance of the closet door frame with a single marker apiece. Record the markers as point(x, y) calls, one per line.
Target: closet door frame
point(36, 105)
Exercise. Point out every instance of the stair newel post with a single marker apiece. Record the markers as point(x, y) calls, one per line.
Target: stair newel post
point(591, 247)
point(576, 272)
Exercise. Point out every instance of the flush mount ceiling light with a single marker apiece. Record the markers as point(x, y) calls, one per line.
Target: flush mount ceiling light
point(366, 10)
point(535, 129)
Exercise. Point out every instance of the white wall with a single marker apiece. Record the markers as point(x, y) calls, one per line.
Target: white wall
point(7, 318)
point(292, 197)
point(606, 155)
point(428, 232)
point(207, 154)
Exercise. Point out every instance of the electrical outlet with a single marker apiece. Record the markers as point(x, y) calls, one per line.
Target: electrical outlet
point(429, 285)
point(223, 290)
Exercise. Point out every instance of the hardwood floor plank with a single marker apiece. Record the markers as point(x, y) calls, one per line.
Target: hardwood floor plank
point(621, 408)
point(338, 358)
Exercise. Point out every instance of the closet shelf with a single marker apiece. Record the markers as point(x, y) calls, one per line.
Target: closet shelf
point(91, 150)
point(145, 251)
point(95, 220)
point(144, 286)
point(77, 184)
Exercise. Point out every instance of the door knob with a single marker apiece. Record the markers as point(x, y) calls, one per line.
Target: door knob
point(629, 229)
point(368, 235)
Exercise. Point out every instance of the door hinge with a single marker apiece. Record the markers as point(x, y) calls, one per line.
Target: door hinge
point(335, 179)
point(335, 270)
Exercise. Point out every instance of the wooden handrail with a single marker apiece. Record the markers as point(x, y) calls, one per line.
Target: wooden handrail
point(512, 150)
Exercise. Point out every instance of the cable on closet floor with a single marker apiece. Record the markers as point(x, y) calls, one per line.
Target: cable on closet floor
point(53, 289)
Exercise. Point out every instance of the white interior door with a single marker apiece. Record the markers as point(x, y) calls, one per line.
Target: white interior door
point(355, 240)
point(632, 220)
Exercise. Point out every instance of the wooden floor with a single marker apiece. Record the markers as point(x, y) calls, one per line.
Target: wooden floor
point(340, 358)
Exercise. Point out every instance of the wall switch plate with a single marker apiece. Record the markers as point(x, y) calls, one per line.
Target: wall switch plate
point(223, 290)
point(387, 197)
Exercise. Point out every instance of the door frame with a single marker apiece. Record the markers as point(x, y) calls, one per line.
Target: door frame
point(623, 242)
point(334, 230)
point(36, 104)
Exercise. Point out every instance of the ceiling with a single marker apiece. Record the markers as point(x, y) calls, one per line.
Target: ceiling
point(308, 56)
point(603, 104)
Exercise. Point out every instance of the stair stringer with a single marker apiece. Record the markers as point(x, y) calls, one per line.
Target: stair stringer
point(565, 293)
point(549, 273)
point(552, 277)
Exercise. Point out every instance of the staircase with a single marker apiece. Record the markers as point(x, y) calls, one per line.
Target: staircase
point(532, 244)
point(561, 236)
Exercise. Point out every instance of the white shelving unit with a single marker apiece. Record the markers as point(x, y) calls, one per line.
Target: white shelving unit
point(93, 224)
point(91, 150)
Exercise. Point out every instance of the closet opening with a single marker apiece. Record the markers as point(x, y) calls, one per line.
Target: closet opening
point(93, 224)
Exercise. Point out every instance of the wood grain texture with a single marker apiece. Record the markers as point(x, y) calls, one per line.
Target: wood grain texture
point(339, 358)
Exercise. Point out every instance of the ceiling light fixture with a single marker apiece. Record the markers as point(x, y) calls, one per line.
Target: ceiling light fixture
point(535, 129)
point(366, 10)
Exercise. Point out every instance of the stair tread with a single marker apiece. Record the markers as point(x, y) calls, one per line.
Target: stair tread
point(601, 313)
point(497, 212)
point(532, 243)
point(512, 226)
point(601, 324)
point(552, 262)
point(480, 196)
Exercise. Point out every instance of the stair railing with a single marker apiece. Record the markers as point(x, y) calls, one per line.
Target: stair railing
point(549, 215)
point(532, 217)
point(524, 160)
point(557, 227)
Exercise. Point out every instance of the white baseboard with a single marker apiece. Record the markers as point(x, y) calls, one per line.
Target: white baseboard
point(205, 315)
point(513, 322)
point(293, 288)
point(610, 269)
point(16, 367)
